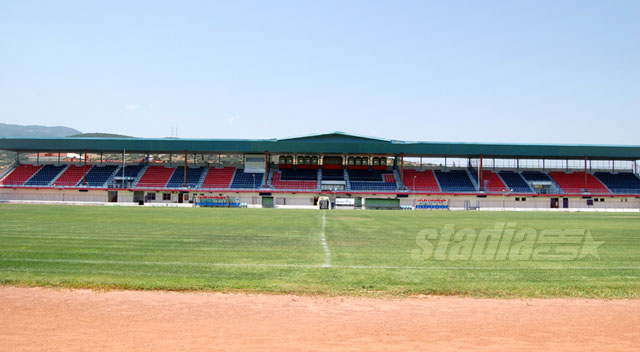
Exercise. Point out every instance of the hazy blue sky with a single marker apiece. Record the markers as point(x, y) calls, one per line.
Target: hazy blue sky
point(504, 71)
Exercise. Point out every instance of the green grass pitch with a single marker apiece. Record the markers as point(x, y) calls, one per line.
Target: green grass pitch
point(290, 251)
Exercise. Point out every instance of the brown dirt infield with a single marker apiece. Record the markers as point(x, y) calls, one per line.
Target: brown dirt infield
point(42, 319)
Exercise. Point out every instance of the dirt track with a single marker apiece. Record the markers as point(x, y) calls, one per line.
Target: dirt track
point(37, 319)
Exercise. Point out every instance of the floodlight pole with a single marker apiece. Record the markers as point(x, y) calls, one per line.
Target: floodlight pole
point(414, 183)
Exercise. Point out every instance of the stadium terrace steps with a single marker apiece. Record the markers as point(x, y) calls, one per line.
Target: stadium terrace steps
point(247, 180)
point(347, 181)
point(515, 181)
point(575, 182)
point(71, 176)
point(155, 176)
point(278, 183)
point(454, 181)
point(45, 175)
point(99, 175)
point(398, 179)
point(420, 180)
point(218, 178)
point(473, 177)
point(622, 182)
point(21, 174)
point(177, 179)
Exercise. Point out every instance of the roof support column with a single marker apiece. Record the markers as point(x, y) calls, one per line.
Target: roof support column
point(37, 158)
point(586, 186)
point(184, 183)
point(266, 166)
point(401, 167)
point(84, 174)
point(480, 184)
point(123, 168)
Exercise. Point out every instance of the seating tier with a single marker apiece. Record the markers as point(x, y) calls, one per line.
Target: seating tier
point(71, 176)
point(278, 183)
point(622, 182)
point(420, 180)
point(19, 175)
point(218, 178)
point(247, 180)
point(454, 181)
point(576, 183)
point(155, 176)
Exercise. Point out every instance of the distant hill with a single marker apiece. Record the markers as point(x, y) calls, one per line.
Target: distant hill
point(101, 135)
point(9, 130)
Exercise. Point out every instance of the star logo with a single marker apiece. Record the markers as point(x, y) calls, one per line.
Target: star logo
point(590, 247)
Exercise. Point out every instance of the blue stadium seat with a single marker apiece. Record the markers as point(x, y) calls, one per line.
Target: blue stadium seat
point(515, 182)
point(299, 175)
point(454, 181)
point(193, 176)
point(98, 175)
point(365, 180)
point(131, 170)
point(365, 175)
point(333, 174)
point(247, 180)
point(45, 175)
point(535, 176)
point(372, 186)
point(621, 182)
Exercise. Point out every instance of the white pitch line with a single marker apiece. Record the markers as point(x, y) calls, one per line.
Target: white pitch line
point(327, 252)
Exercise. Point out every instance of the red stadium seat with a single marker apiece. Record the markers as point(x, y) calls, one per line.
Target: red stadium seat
point(20, 175)
point(424, 180)
point(155, 176)
point(575, 182)
point(71, 176)
point(218, 178)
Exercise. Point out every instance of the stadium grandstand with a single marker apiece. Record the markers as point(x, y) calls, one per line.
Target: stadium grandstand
point(297, 172)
